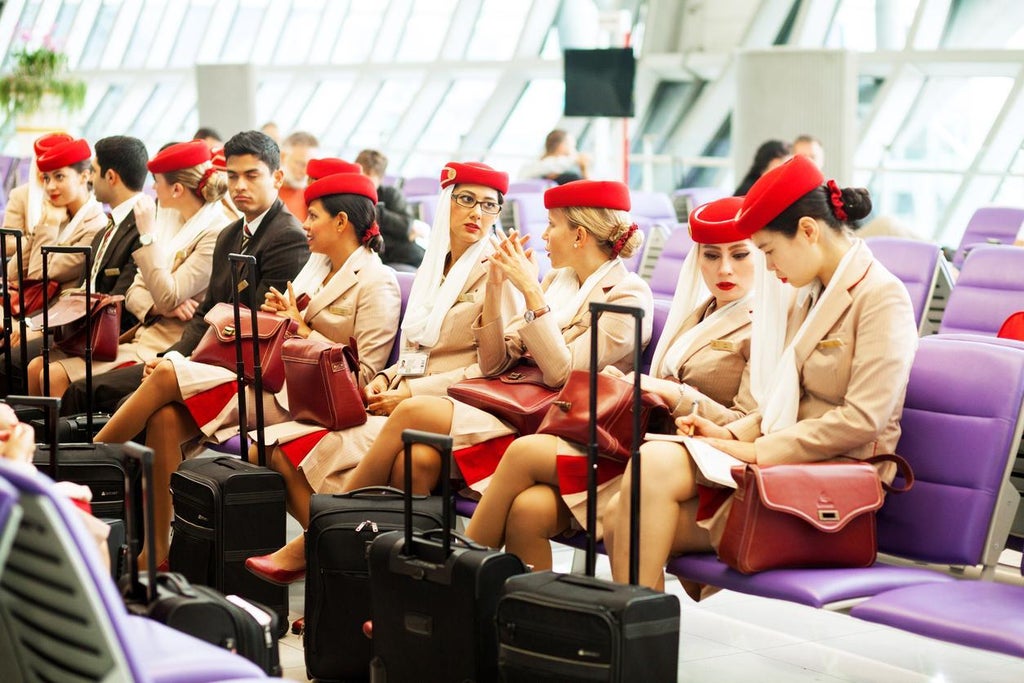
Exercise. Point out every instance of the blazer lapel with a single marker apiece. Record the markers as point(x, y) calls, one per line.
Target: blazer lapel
point(344, 280)
point(833, 307)
point(718, 327)
point(598, 293)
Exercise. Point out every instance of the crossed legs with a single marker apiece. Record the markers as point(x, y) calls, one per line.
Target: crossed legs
point(522, 508)
point(668, 514)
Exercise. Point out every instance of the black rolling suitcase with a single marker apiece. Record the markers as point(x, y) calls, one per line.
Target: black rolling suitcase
point(433, 600)
point(70, 428)
point(236, 624)
point(228, 509)
point(341, 527)
point(566, 627)
point(19, 384)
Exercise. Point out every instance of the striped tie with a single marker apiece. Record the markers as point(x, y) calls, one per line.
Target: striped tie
point(246, 236)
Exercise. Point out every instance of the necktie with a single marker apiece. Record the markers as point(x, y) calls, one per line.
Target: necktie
point(246, 236)
point(98, 257)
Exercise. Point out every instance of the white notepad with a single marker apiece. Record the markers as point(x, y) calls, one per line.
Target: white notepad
point(714, 464)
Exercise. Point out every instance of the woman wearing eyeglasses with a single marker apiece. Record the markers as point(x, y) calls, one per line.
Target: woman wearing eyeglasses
point(588, 231)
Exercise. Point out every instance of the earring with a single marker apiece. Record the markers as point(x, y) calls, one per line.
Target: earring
point(575, 245)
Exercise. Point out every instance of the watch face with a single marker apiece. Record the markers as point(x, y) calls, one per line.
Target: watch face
point(529, 316)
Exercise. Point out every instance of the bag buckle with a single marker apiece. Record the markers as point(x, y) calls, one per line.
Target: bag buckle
point(229, 330)
point(515, 375)
point(828, 515)
point(564, 406)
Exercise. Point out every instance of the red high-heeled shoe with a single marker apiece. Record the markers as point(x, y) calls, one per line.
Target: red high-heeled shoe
point(263, 567)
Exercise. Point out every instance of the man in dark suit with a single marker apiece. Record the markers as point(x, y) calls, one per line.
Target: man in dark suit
point(266, 230)
point(118, 174)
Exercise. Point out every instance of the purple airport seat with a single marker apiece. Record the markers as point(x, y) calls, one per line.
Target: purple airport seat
point(634, 262)
point(666, 270)
point(64, 619)
point(915, 263)
point(989, 289)
point(960, 435)
point(423, 206)
point(530, 185)
point(526, 213)
point(651, 207)
point(980, 614)
point(230, 446)
point(421, 185)
point(405, 285)
point(661, 311)
point(989, 225)
point(686, 199)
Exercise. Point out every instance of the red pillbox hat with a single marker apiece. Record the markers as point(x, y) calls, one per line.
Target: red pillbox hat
point(179, 156)
point(64, 154)
point(341, 183)
point(715, 222)
point(776, 191)
point(49, 141)
point(599, 194)
point(456, 173)
point(321, 168)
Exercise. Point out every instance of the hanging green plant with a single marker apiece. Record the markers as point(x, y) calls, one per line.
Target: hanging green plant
point(37, 73)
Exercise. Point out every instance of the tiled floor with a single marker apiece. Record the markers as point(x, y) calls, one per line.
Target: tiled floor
point(735, 637)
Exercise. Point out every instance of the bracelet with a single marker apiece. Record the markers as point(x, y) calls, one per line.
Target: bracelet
point(682, 396)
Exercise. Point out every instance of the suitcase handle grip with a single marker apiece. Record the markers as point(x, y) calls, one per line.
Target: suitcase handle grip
point(462, 540)
point(177, 583)
point(52, 407)
point(375, 492)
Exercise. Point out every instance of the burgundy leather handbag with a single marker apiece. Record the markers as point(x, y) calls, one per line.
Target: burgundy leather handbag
point(32, 293)
point(569, 413)
point(518, 396)
point(67, 319)
point(217, 346)
point(323, 383)
point(806, 515)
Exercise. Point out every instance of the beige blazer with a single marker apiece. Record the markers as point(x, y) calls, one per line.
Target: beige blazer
point(16, 211)
point(456, 346)
point(716, 365)
point(157, 290)
point(64, 268)
point(853, 367)
point(558, 352)
point(362, 302)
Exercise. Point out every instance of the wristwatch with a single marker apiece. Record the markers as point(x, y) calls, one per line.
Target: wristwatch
point(146, 240)
point(530, 316)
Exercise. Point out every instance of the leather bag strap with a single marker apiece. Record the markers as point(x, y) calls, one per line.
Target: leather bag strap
point(902, 468)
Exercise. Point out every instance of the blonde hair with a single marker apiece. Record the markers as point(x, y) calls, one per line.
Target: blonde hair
point(215, 187)
point(607, 226)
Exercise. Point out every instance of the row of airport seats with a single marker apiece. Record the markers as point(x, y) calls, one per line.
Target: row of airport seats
point(62, 617)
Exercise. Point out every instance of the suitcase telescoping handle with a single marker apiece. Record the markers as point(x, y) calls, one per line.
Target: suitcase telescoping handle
point(596, 309)
point(139, 462)
point(22, 323)
point(244, 260)
point(87, 273)
point(52, 407)
point(443, 444)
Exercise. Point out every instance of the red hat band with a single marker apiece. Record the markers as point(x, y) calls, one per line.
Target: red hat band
point(715, 222)
point(475, 173)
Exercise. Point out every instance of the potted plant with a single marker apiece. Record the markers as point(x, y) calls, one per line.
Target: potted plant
point(38, 80)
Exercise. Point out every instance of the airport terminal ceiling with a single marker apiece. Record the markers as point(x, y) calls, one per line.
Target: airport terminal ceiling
point(940, 109)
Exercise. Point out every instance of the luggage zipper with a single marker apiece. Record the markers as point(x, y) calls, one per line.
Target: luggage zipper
point(373, 526)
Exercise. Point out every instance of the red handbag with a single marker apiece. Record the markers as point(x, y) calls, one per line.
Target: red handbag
point(323, 383)
point(32, 293)
point(806, 515)
point(569, 413)
point(67, 319)
point(217, 346)
point(517, 396)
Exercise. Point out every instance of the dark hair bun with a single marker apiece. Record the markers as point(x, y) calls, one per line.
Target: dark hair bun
point(856, 203)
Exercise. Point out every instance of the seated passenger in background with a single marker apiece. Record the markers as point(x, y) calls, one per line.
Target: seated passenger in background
point(809, 146)
point(818, 398)
point(296, 151)
point(401, 252)
point(174, 259)
point(561, 162)
point(768, 156)
point(539, 488)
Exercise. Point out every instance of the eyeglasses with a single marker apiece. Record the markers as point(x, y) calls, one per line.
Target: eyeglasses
point(468, 201)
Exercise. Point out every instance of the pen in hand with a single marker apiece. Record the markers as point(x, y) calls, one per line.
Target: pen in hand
point(693, 413)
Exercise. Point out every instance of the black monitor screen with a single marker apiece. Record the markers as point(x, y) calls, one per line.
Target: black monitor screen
point(599, 82)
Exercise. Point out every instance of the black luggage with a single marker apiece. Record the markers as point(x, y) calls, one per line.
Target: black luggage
point(565, 627)
point(231, 622)
point(433, 600)
point(70, 428)
point(341, 527)
point(19, 384)
point(226, 509)
point(99, 466)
